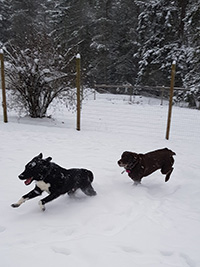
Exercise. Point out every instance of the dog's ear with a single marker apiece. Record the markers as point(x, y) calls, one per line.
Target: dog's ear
point(48, 159)
point(40, 156)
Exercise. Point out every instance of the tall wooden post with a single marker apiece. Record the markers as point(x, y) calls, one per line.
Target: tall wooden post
point(3, 88)
point(171, 99)
point(78, 85)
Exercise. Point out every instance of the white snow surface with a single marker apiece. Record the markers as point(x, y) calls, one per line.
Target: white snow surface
point(155, 224)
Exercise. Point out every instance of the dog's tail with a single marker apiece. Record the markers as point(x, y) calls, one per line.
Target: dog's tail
point(173, 153)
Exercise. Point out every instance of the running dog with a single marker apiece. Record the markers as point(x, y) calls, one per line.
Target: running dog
point(53, 179)
point(140, 165)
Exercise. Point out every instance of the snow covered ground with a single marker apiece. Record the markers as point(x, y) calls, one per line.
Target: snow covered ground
point(155, 224)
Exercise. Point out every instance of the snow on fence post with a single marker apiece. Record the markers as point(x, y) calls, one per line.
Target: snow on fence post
point(78, 83)
point(3, 87)
point(171, 99)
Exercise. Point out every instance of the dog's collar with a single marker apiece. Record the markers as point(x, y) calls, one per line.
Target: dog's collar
point(126, 170)
point(130, 168)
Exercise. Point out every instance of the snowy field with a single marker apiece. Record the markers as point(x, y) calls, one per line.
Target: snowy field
point(155, 224)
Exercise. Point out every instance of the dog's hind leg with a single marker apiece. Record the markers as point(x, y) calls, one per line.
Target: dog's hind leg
point(168, 175)
point(167, 169)
point(89, 190)
point(137, 182)
point(72, 192)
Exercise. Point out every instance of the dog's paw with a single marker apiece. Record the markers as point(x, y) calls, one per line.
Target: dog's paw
point(42, 206)
point(15, 205)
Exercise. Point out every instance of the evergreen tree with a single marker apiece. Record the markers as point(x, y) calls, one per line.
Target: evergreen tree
point(125, 44)
point(23, 25)
point(114, 42)
point(192, 77)
point(71, 33)
point(159, 30)
point(100, 44)
point(131, 41)
point(5, 14)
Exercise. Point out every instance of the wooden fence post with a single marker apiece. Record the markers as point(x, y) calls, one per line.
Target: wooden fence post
point(3, 87)
point(78, 83)
point(171, 99)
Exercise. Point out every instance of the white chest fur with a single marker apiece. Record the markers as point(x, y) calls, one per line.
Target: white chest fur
point(43, 186)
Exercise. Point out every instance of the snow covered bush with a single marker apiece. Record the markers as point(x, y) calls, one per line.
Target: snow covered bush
point(35, 77)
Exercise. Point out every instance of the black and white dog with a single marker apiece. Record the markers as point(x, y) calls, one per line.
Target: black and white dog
point(53, 179)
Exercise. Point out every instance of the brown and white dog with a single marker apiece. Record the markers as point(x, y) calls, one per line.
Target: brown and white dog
point(140, 165)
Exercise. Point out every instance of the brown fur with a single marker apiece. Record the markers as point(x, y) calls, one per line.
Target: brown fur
point(141, 165)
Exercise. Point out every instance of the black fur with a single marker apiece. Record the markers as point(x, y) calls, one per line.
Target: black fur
point(53, 179)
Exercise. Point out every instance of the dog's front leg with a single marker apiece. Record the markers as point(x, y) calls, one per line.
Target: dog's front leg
point(33, 193)
point(47, 199)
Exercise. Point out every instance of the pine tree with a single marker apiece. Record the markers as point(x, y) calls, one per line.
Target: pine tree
point(70, 31)
point(160, 43)
point(120, 41)
point(192, 77)
point(101, 32)
point(5, 14)
point(23, 25)
point(125, 44)
point(114, 42)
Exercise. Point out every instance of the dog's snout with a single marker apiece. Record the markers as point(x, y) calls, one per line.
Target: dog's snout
point(21, 176)
point(119, 162)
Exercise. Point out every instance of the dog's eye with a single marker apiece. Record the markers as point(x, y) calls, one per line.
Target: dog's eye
point(32, 164)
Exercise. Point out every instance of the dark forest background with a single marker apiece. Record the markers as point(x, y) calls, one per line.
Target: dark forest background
point(120, 41)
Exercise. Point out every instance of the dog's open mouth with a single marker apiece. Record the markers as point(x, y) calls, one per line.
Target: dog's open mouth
point(28, 181)
point(122, 164)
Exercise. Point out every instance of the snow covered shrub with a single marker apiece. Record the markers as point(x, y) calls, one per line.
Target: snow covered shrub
point(35, 78)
